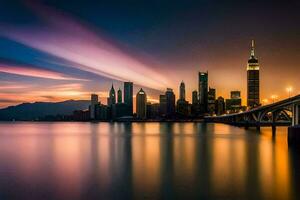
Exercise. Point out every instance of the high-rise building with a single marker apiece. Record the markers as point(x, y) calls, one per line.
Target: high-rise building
point(162, 105)
point(128, 96)
point(119, 96)
point(182, 107)
point(202, 91)
point(170, 97)
point(182, 91)
point(253, 79)
point(234, 104)
point(195, 104)
point(194, 97)
point(235, 94)
point(220, 106)
point(211, 100)
point(92, 108)
point(152, 110)
point(112, 96)
point(141, 104)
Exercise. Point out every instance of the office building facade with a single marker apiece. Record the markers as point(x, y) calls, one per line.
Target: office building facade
point(141, 104)
point(170, 100)
point(203, 91)
point(92, 108)
point(128, 96)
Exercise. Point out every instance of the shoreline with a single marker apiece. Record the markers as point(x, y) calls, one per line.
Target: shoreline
point(97, 121)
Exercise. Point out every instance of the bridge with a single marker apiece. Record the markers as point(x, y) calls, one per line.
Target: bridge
point(281, 113)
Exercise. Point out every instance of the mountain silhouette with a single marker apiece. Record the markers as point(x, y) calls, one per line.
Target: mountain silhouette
point(38, 110)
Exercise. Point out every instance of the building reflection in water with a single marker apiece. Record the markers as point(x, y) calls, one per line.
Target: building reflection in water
point(145, 160)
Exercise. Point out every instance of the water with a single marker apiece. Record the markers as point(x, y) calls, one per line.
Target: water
point(145, 161)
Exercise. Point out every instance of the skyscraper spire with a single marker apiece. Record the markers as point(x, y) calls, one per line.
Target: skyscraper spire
point(112, 96)
point(182, 91)
point(252, 79)
point(252, 48)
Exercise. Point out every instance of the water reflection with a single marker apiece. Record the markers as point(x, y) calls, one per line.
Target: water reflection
point(145, 160)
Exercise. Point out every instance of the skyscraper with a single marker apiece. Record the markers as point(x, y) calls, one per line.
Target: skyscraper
point(170, 97)
point(194, 97)
point(202, 90)
point(128, 96)
point(182, 107)
point(195, 104)
point(234, 104)
point(92, 108)
point(141, 103)
point(162, 105)
point(119, 95)
point(211, 100)
point(235, 94)
point(182, 91)
point(112, 96)
point(252, 79)
point(220, 106)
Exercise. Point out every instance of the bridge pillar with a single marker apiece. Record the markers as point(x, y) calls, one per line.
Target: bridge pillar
point(246, 125)
point(274, 115)
point(294, 130)
point(295, 118)
point(273, 130)
point(258, 126)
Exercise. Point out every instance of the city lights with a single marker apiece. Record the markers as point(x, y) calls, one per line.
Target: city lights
point(274, 98)
point(289, 90)
point(265, 101)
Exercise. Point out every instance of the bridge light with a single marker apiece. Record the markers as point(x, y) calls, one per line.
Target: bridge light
point(289, 90)
point(265, 101)
point(274, 97)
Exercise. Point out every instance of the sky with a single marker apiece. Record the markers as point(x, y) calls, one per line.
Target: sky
point(57, 50)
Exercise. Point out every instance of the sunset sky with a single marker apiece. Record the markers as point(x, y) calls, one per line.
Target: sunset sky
point(59, 50)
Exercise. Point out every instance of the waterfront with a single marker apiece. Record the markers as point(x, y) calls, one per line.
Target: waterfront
point(145, 160)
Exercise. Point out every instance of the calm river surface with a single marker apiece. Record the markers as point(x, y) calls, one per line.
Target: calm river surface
point(145, 161)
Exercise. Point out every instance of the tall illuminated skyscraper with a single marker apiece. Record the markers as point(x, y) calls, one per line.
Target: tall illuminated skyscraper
point(203, 91)
point(128, 96)
point(252, 79)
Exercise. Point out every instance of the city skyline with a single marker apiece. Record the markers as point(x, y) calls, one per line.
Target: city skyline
point(36, 67)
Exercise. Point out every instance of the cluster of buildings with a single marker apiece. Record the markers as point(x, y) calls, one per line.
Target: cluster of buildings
point(204, 100)
point(116, 108)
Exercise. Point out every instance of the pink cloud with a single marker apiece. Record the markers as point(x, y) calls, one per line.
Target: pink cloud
point(71, 41)
point(34, 72)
